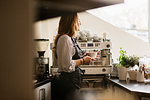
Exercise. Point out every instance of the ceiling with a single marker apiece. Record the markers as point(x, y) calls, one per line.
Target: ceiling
point(53, 8)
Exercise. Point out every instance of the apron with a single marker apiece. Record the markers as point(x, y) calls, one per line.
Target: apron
point(74, 78)
point(68, 83)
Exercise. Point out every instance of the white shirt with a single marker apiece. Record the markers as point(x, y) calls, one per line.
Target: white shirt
point(65, 50)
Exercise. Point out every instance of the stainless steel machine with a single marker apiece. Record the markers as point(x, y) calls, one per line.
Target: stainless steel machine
point(103, 62)
point(97, 70)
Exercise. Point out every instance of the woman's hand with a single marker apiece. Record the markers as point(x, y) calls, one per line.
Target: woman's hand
point(87, 59)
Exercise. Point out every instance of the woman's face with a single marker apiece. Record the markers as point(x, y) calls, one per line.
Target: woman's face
point(77, 26)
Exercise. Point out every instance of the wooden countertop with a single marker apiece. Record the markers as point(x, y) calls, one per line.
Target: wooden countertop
point(132, 86)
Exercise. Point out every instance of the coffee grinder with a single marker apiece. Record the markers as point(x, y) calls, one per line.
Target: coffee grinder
point(41, 69)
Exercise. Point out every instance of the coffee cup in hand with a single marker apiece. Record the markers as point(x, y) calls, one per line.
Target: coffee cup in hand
point(92, 54)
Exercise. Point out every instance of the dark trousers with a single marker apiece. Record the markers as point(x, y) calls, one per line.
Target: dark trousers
point(67, 86)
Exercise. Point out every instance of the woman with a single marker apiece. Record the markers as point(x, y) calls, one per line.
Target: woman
point(68, 55)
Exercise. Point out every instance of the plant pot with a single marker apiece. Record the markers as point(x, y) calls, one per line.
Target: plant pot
point(132, 74)
point(122, 73)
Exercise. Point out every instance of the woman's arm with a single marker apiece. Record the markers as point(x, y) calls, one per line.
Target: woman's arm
point(79, 62)
point(85, 60)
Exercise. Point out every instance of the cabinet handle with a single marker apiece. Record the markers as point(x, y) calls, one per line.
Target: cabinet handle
point(42, 94)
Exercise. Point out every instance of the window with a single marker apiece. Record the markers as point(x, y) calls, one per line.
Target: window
point(130, 16)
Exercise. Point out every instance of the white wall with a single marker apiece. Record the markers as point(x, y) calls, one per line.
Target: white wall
point(119, 38)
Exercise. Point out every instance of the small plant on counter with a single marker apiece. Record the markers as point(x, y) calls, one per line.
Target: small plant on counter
point(132, 61)
point(127, 61)
point(123, 58)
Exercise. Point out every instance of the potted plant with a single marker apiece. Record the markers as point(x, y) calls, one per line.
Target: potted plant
point(131, 62)
point(126, 62)
point(122, 70)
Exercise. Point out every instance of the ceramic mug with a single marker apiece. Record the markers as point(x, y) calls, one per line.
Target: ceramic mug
point(92, 54)
point(140, 76)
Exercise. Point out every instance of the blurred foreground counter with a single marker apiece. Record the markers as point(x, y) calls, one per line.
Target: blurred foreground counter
point(131, 90)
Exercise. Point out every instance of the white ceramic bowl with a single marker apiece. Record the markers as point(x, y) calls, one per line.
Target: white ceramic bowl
point(92, 54)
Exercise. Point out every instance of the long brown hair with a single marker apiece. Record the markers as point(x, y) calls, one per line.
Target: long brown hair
point(67, 26)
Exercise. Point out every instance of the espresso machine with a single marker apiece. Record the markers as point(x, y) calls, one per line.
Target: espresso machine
point(103, 62)
point(96, 72)
point(41, 63)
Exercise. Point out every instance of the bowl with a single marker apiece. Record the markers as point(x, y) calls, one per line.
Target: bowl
point(92, 54)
